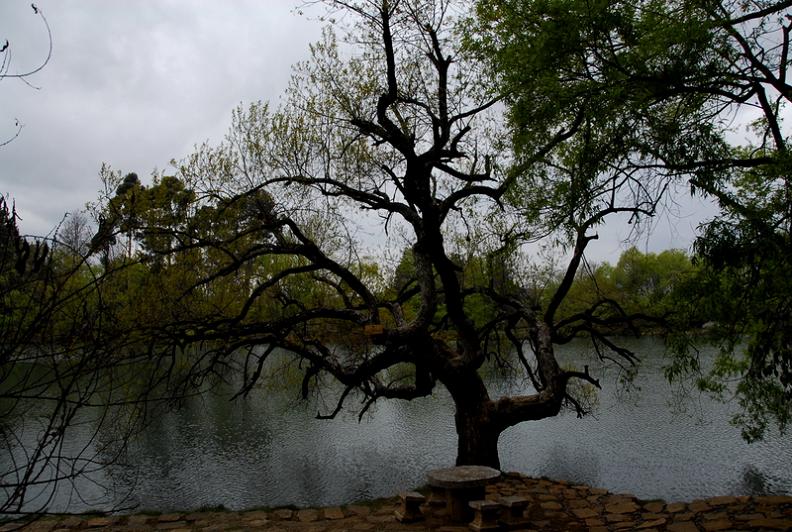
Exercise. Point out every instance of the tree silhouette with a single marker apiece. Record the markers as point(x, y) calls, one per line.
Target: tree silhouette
point(6, 73)
point(400, 126)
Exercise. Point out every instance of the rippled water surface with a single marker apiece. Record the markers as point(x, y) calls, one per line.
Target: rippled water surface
point(269, 450)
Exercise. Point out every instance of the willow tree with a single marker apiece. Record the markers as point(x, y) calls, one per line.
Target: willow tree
point(744, 252)
point(728, 61)
point(398, 129)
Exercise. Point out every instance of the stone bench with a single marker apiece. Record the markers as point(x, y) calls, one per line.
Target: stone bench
point(513, 515)
point(461, 485)
point(410, 509)
point(485, 515)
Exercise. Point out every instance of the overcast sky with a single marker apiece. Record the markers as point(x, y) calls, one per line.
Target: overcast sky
point(136, 84)
point(131, 84)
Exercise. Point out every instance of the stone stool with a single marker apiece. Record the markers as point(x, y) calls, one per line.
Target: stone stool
point(462, 484)
point(410, 511)
point(437, 497)
point(513, 516)
point(485, 516)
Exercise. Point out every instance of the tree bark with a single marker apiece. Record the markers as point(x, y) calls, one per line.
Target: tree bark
point(477, 433)
point(477, 439)
point(480, 420)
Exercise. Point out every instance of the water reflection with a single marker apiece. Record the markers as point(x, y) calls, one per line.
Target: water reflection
point(269, 450)
point(756, 482)
point(572, 463)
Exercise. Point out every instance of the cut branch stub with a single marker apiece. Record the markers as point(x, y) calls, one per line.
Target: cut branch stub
point(373, 329)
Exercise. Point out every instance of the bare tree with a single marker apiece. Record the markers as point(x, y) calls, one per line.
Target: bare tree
point(395, 122)
point(394, 125)
point(6, 72)
point(55, 376)
point(75, 233)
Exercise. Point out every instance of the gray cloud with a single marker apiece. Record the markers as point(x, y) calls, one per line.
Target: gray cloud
point(132, 86)
point(135, 84)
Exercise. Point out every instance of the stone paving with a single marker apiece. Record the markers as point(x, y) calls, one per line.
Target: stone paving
point(554, 506)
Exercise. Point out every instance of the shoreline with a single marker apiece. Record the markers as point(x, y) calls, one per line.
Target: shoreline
point(553, 505)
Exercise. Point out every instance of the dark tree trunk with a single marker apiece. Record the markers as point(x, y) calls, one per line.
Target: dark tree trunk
point(477, 434)
point(477, 442)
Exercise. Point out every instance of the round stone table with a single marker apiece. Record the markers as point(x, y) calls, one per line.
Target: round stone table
point(461, 485)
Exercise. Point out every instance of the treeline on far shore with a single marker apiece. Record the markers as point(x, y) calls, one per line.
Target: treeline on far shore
point(56, 290)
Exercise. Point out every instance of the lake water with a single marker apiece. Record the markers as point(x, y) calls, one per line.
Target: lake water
point(269, 450)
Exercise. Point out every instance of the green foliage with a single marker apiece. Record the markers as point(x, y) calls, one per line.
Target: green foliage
point(250, 245)
point(478, 273)
point(649, 280)
point(211, 259)
point(653, 86)
point(645, 285)
point(603, 75)
point(743, 288)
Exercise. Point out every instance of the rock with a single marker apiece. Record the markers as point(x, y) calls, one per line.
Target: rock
point(699, 506)
point(381, 519)
point(284, 514)
point(173, 525)
point(654, 507)
point(718, 524)
point(137, 520)
point(71, 522)
point(773, 499)
point(359, 509)
point(168, 518)
point(215, 528)
point(748, 517)
point(256, 514)
point(683, 526)
point(98, 522)
point(553, 506)
point(307, 515)
point(333, 513)
point(651, 524)
point(720, 501)
point(584, 513)
point(38, 526)
point(622, 508)
point(676, 507)
point(578, 503)
point(774, 524)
